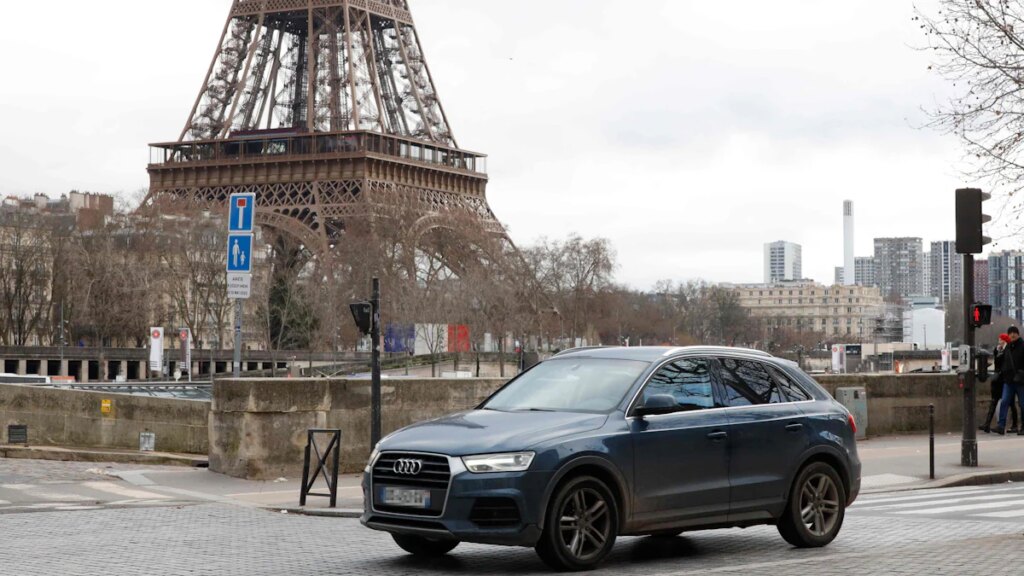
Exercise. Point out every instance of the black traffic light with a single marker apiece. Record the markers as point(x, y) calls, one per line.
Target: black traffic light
point(970, 221)
point(981, 362)
point(981, 315)
point(362, 312)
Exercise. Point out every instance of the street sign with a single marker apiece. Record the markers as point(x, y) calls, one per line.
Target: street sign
point(243, 208)
point(239, 286)
point(240, 253)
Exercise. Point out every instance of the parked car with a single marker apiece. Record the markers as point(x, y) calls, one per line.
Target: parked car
point(599, 443)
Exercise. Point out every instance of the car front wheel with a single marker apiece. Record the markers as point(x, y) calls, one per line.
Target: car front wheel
point(581, 525)
point(427, 547)
point(816, 507)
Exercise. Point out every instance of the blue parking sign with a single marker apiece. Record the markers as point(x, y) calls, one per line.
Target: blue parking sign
point(240, 253)
point(241, 215)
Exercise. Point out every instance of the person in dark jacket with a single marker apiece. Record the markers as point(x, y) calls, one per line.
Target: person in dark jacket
point(1010, 359)
point(996, 391)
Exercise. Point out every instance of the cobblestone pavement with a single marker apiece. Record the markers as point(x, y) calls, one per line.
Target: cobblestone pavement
point(220, 539)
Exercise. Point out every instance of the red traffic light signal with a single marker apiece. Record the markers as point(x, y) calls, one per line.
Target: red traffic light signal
point(981, 315)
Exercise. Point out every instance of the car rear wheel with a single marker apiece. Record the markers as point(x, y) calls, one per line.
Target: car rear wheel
point(421, 546)
point(816, 507)
point(581, 526)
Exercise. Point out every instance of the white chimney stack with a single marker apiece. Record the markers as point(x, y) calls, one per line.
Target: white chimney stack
point(849, 268)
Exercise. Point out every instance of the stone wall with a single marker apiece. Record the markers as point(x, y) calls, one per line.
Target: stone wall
point(258, 427)
point(898, 404)
point(76, 418)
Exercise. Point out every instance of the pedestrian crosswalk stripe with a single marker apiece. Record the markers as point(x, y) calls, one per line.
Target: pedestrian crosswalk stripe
point(943, 502)
point(44, 493)
point(124, 491)
point(1006, 514)
point(4, 502)
point(964, 508)
point(918, 496)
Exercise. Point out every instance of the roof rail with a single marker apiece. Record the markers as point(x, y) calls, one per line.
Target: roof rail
point(582, 349)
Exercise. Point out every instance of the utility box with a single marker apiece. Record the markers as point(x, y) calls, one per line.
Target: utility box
point(856, 401)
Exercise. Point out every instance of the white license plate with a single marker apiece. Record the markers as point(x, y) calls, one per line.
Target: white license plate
point(391, 496)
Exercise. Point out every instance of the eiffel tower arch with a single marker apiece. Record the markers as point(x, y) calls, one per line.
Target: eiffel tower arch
point(327, 111)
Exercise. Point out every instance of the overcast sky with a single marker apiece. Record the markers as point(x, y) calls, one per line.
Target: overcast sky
point(687, 132)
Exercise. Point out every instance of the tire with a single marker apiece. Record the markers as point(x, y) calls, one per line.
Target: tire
point(581, 525)
point(424, 547)
point(816, 507)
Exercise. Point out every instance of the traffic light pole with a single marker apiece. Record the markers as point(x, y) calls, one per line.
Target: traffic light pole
point(969, 445)
point(375, 374)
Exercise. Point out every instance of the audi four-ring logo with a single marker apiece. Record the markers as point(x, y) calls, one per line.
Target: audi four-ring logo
point(408, 466)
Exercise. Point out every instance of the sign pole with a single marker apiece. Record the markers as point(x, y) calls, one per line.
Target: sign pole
point(969, 444)
point(237, 364)
point(375, 431)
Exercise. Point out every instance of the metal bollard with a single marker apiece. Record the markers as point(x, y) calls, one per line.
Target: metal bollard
point(931, 441)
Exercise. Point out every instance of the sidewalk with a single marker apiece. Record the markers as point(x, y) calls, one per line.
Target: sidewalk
point(889, 463)
point(901, 462)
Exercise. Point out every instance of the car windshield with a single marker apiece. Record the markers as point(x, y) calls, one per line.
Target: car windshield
point(570, 385)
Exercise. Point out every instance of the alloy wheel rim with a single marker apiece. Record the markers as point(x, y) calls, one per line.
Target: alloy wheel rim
point(819, 504)
point(584, 523)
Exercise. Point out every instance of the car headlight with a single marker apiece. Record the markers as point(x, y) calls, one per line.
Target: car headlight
point(512, 462)
point(373, 458)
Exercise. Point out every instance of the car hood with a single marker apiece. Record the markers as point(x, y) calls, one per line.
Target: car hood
point(490, 431)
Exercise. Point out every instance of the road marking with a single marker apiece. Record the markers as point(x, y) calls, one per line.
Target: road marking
point(1007, 514)
point(4, 502)
point(124, 491)
point(918, 496)
point(964, 508)
point(76, 508)
point(942, 502)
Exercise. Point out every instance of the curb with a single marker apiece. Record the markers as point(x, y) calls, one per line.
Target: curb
point(75, 455)
point(321, 512)
point(957, 481)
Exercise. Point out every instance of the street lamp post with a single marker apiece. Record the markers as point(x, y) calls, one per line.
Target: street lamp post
point(62, 332)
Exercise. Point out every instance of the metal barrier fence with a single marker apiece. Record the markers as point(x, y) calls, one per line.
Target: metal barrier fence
point(328, 473)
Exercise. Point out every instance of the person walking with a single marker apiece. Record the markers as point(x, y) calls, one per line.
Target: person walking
point(996, 393)
point(1010, 360)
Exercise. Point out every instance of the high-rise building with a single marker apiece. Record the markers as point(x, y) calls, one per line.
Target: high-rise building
point(840, 274)
point(981, 281)
point(782, 262)
point(1006, 284)
point(865, 271)
point(899, 266)
point(849, 272)
point(946, 272)
point(926, 276)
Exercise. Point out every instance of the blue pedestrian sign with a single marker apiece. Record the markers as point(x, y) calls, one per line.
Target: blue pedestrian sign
point(240, 253)
point(243, 208)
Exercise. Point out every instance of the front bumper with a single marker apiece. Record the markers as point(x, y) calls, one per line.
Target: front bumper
point(527, 490)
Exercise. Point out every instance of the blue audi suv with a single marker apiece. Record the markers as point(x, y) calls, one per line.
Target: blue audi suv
point(598, 443)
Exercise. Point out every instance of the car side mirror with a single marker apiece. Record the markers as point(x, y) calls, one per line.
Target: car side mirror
point(657, 404)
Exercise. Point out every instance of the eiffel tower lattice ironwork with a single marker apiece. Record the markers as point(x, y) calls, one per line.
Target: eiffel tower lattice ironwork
point(327, 110)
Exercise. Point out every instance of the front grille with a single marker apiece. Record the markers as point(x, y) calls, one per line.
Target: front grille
point(494, 512)
point(434, 476)
point(435, 471)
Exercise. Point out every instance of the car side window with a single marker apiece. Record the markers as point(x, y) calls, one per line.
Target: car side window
point(748, 383)
point(792, 390)
point(687, 381)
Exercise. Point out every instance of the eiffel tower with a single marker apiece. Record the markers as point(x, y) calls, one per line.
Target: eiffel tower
point(327, 110)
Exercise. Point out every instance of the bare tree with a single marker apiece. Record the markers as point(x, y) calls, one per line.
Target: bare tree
point(978, 45)
point(25, 270)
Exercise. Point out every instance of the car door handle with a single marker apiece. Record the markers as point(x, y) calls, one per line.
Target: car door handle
point(794, 427)
point(716, 436)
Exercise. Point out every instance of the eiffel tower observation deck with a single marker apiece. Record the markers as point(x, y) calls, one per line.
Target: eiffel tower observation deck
point(327, 110)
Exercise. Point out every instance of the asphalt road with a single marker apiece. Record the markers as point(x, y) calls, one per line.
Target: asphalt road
point(80, 520)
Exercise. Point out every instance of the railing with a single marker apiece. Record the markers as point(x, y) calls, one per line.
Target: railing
point(199, 390)
point(272, 144)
